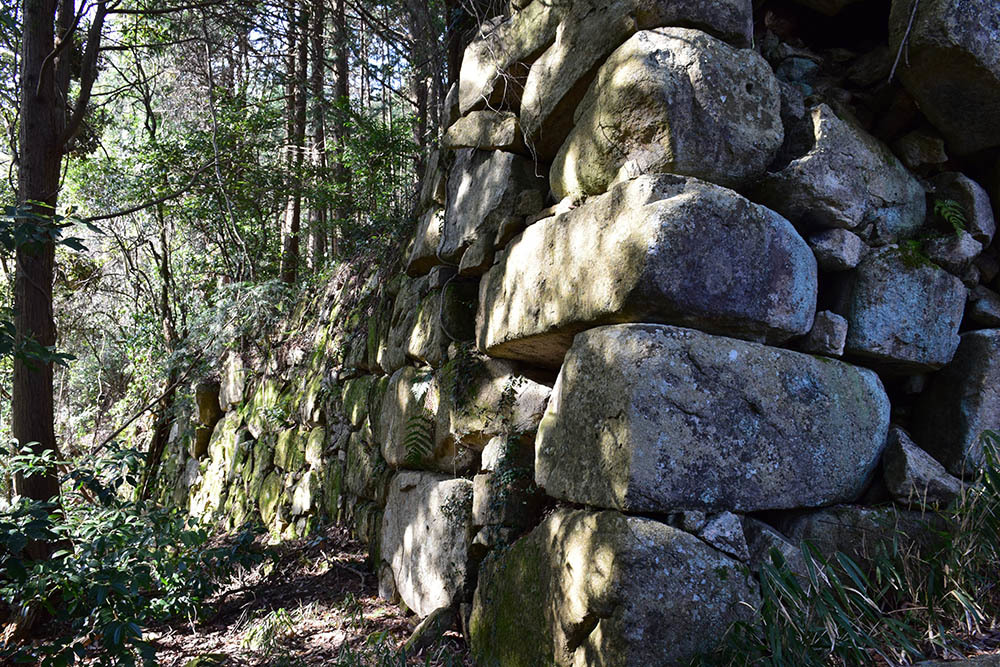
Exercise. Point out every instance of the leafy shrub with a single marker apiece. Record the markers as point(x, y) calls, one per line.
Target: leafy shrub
point(119, 566)
point(910, 602)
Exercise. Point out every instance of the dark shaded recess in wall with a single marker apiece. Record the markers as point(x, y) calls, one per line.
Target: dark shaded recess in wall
point(860, 26)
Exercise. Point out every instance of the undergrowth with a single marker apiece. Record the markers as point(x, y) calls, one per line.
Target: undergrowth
point(120, 565)
point(909, 603)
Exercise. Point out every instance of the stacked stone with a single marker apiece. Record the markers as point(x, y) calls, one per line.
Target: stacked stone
point(657, 291)
point(726, 279)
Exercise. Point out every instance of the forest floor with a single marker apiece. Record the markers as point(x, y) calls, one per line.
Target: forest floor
point(314, 602)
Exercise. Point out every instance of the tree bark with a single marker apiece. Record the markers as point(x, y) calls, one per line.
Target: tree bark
point(297, 66)
point(42, 125)
point(317, 210)
point(342, 176)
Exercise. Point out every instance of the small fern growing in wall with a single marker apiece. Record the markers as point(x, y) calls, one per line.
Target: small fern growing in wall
point(419, 439)
point(952, 213)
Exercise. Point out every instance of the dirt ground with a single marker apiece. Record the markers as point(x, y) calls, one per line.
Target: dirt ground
point(314, 603)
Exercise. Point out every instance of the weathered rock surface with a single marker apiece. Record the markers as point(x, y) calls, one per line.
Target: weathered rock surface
point(724, 531)
point(984, 307)
point(495, 399)
point(588, 33)
point(672, 100)
point(425, 537)
point(912, 475)
point(858, 532)
point(960, 402)
point(827, 336)
point(587, 588)
point(904, 311)
point(840, 176)
point(763, 540)
point(483, 192)
point(953, 252)
point(405, 429)
point(423, 255)
point(837, 249)
point(655, 249)
point(647, 418)
point(486, 130)
point(495, 64)
point(953, 67)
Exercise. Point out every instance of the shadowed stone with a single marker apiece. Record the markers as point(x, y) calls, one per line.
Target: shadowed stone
point(589, 588)
point(912, 475)
point(904, 311)
point(960, 402)
point(952, 67)
point(837, 175)
point(591, 30)
point(656, 249)
point(647, 418)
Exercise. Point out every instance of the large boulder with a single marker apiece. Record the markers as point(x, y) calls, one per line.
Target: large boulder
point(672, 100)
point(960, 402)
point(904, 311)
point(655, 249)
point(601, 588)
point(486, 130)
point(590, 31)
point(425, 537)
point(834, 174)
point(648, 418)
point(952, 67)
point(484, 190)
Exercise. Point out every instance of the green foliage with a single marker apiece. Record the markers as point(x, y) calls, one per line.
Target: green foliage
point(952, 213)
point(120, 565)
point(909, 602)
point(419, 440)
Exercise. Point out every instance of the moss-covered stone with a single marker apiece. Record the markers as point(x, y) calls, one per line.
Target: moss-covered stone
point(290, 450)
point(270, 496)
point(354, 397)
point(315, 446)
point(588, 588)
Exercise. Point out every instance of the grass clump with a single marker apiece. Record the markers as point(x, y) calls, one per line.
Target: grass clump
point(912, 601)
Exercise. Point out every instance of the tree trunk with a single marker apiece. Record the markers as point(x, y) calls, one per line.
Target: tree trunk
point(42, 125)
point(317, 211)
point(343, 99)
point(296, 61)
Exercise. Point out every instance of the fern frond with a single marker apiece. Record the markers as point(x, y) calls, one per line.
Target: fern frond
point(419, 440)
point(953, 214)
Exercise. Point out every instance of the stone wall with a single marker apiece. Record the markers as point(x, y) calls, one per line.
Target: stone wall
point(686, 285)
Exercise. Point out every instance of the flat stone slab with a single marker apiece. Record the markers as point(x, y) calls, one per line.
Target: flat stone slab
point(648, 418)
point(602, 588)
point(655, 249)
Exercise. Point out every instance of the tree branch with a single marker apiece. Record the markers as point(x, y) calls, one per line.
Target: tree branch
point(154, 202)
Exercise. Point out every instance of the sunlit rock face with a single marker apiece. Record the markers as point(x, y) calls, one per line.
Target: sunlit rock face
point(655, 249)
point(602, 588)
point(647, 418)
point(672, 100)
point(589, 32)
point(425, 537)
point(833, 174)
